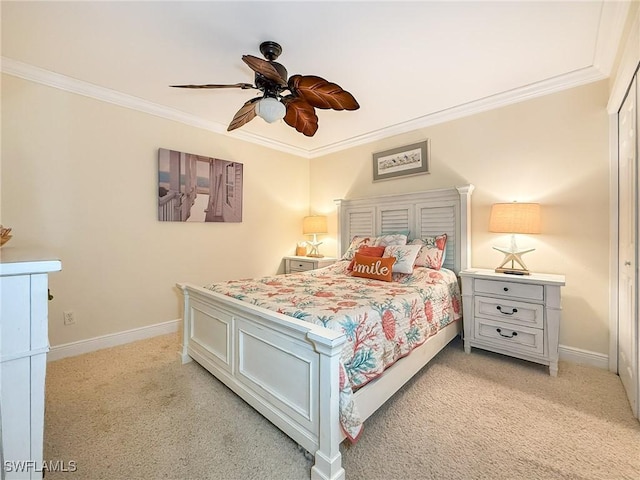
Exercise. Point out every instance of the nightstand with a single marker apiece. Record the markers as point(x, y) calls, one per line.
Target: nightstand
point(513, 315)
point(302, 264)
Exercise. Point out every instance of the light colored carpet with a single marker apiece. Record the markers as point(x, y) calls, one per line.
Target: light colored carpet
point(133, 412)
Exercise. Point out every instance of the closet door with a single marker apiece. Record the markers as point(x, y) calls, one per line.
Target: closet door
point(628, 261)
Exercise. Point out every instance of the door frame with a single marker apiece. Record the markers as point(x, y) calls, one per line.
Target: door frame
point(614, 251)
point(628, 66)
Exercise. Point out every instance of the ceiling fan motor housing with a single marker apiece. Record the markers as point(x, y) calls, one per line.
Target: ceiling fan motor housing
point(266, 85)
point(270, 50)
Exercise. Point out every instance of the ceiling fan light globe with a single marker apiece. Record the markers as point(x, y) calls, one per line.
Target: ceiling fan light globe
point(270, 109)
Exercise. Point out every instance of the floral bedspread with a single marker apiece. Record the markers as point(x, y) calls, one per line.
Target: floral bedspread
point(383, 321)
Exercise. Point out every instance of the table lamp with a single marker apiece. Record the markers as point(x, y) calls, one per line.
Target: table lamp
point(514, 218)
point(313, 225)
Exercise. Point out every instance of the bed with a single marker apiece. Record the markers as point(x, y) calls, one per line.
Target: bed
point(247, 335)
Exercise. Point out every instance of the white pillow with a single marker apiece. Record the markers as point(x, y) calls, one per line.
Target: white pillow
point(405, 257)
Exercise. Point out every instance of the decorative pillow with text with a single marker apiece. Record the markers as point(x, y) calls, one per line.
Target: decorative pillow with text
point(368, 251)
point(376, 268)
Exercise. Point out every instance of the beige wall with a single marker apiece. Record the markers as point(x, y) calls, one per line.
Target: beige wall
point(552, 150)
point(79, 180)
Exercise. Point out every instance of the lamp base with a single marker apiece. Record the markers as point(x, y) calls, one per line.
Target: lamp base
point(314, 248)
point(513, 255)
point(512, 271)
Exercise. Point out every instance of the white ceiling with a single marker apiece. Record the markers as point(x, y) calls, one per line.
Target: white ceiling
point(409, 64)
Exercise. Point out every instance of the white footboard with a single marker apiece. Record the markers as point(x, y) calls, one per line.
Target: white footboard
point(248, 348)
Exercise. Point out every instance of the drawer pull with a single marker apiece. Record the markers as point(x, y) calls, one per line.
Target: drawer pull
point(515, 310)
point(513, 334)
point(506, 289)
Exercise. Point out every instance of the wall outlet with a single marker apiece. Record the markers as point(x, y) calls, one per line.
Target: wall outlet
point(69, 318)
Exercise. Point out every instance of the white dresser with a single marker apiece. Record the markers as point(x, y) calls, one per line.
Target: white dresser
point(24, 345)
point(513, 315)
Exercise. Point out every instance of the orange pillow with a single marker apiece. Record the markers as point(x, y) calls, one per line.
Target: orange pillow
point(369, 252)
point(377, 268)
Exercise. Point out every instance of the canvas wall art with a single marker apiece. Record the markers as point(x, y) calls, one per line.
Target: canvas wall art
point(194, 188)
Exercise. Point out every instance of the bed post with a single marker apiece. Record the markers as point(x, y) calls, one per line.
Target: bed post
point(328, 459)
point(339, 238)
point(184, 356)
point(465, 226)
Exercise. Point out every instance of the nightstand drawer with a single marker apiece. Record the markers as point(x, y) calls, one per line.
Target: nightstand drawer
point(301, 265)
point(507, 310)
point(517, 338)
point(509, 289)
point(297, 264)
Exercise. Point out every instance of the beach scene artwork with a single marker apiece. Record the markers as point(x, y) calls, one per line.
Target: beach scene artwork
point(196, 188)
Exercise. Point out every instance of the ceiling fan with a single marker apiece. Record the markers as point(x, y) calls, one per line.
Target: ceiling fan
point(306, 93)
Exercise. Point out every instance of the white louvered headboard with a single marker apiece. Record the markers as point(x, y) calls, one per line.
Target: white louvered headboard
point(428, 213)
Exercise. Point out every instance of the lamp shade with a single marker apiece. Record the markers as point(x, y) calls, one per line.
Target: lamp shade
point(270, 109)
point(515, 218)
point(314, 224)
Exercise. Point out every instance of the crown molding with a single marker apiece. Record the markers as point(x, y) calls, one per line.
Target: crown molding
point(69, 84)
point(612, 19)
point(63, 82)
point(538, 89)
point(73, 85)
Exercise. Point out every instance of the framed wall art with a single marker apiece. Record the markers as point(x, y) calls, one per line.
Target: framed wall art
point(194, 188)
point(402, 161)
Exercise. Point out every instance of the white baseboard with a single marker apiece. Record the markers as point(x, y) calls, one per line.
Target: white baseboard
point(583, 357)
point(113, 339)
point(569, 354)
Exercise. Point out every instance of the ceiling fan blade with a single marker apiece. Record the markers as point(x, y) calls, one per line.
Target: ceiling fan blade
point(264, 68)
point(300, 115)
point(243, 86)
point(320, 93)
point(246, 113)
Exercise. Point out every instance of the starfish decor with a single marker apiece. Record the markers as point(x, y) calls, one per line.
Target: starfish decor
point(314, 247)
point(513, 257)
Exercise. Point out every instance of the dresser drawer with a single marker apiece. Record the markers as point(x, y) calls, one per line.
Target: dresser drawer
point(509, 289)
point(301, 265)
point(512, 311)
point(516, 338)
